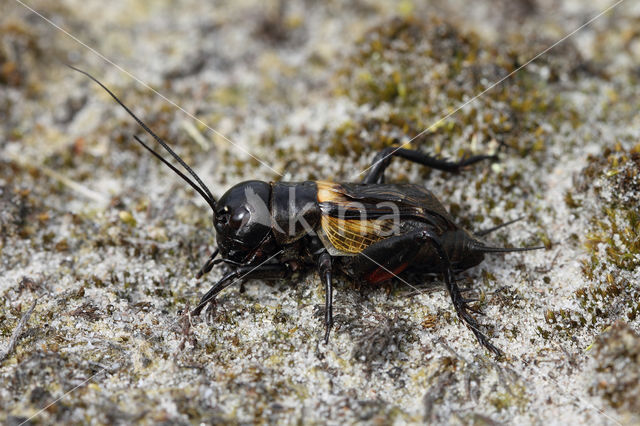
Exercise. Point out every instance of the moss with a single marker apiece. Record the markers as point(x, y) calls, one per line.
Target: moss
point(411, 63)
point(564, 321)
point(20, 40)
point(501, 401)
point(389, 68)
point(570, 201)
point(610, 183)
point(399, 79)
point(617, 367)
point(413, 73)
point(127, 218)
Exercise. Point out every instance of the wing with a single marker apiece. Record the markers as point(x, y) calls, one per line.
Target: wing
point(355, 216)
point(351, 236)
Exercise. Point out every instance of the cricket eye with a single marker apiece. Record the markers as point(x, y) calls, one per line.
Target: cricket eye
point(222, 217)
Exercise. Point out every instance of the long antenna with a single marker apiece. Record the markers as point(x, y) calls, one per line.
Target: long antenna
point(179, 173)
point(202, 189)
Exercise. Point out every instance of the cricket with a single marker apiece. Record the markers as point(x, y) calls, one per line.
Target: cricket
point(371, 231)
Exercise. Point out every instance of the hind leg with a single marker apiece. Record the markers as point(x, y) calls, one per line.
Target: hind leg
point(383, 159)
point(387, 258)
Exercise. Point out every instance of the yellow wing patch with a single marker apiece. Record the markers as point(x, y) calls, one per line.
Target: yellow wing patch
point(353, 236)
point(349, 235)
point(329, 191)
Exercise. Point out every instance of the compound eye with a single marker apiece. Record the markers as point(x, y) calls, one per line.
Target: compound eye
point(222, 216)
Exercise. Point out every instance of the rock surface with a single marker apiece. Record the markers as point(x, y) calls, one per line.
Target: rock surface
point(107, 241)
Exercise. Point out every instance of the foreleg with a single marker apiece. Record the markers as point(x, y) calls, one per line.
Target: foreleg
point(268, 271)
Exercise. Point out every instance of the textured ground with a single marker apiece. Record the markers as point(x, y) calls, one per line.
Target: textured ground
point(106, 242)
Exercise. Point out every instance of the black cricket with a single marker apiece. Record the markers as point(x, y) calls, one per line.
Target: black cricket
point(370, 231)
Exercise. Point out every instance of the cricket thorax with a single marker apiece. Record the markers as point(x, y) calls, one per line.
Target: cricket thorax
point(294, 210)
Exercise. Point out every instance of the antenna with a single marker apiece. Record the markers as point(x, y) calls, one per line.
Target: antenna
point(201, 188)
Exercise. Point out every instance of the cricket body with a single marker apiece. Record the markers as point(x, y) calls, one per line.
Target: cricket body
point(370, 231)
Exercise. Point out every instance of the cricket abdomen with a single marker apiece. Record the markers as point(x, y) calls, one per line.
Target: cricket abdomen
point(459, 248)
point(457, 244)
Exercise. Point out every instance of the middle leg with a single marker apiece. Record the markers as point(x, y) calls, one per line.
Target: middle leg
point(324, 269)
